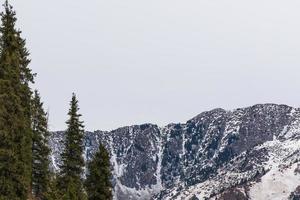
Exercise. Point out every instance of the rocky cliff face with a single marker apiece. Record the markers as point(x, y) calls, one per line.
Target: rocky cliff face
point(248, 153)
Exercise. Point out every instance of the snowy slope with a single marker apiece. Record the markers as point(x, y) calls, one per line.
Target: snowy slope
point(282, 177)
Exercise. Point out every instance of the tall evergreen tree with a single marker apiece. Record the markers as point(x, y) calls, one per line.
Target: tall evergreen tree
point(71, 182)
point(98, 181)
point(40, 150)
point(15, 124)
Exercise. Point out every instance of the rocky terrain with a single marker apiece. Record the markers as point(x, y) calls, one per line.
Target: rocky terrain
point(247, 153)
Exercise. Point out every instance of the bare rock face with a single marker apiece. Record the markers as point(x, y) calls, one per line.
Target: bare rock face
point(296, 194)
point(248, 153)
point(233, 194)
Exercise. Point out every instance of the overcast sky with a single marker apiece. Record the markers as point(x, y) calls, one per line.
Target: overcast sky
point(160, 61)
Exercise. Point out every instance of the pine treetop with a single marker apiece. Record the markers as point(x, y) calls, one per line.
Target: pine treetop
point(71, 170)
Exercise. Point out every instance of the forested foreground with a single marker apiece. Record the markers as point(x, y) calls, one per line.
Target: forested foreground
point(24, 150)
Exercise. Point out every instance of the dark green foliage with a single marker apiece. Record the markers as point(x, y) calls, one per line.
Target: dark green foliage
point(73, 162)
point(98, 182)
point(40, 149)
point(15, 123)
point(53, 192)
point(13, 181)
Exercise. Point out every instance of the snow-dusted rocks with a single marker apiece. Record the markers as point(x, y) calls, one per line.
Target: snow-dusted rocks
point(248, 153)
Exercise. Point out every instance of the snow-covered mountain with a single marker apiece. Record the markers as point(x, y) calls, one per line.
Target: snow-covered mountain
point(248, 153)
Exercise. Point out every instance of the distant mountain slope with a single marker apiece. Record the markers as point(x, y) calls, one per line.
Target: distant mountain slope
point(248, 153)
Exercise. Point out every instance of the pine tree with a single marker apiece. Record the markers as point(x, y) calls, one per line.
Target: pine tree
point(98, 181)
point(15, 124)
point(71, 171)
point(40, 149)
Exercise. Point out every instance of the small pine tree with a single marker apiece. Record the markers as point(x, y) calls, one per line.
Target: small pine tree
point(40, 149)
point(71, 171)
point(98, 181)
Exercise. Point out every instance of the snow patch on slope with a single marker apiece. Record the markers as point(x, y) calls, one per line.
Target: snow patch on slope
point(277, 184)
point(158, 187)
point(294, 129)
point(281, 180)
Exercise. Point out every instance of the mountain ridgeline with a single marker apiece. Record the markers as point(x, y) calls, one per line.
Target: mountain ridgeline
point(247, 153)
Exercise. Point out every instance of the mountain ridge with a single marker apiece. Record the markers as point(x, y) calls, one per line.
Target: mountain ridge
point(182, 160)
point(206, 111)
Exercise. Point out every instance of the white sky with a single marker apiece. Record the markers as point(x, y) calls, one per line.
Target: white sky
point(160, 61)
